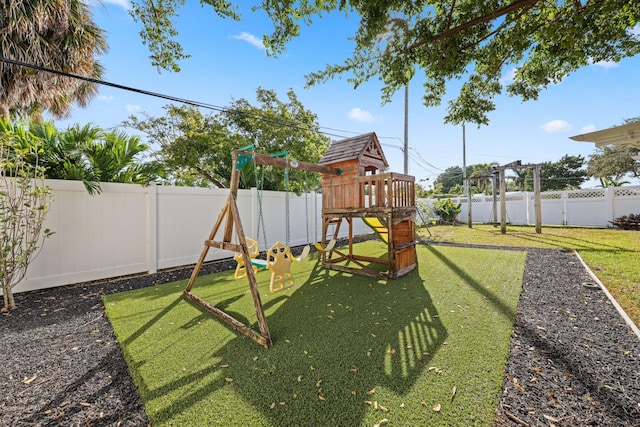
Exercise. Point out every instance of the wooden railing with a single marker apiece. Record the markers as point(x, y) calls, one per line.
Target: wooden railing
point(386, 190)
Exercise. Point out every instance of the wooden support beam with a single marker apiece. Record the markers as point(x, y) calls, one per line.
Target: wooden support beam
point(233, 195)
point(371, 259)
point(205, 250)
point(405, 245)
point(265, 159)
point(223, 245)
point(251, 276)
point(503, 203)
point(494, 193)
point(230, 320)
point(537, 202)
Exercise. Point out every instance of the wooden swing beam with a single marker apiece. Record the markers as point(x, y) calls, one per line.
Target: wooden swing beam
point(267, 160)
point(231, 216)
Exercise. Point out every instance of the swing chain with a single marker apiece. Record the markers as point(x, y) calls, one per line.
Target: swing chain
point(306, 207)
point(286, 197)
point(260, 190)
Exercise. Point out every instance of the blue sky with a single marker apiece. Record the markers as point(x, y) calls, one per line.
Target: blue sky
point(229, 62)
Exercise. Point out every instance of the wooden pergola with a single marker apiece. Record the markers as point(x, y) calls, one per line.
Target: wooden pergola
point(498, 173)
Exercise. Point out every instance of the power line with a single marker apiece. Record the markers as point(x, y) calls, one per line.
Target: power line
point(173, 98)
point(332, 132)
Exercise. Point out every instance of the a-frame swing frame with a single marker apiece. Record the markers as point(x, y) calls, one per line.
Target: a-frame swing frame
point(230, 216)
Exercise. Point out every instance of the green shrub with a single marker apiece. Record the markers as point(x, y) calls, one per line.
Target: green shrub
point(446, 210)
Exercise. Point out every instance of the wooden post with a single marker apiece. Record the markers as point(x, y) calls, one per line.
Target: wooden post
point(233, 193)
point(537, 202)
point(205, 250)
point(503, 202)
point(494, 192)
point(469, 203)
point(253, 284)
point(350, 221)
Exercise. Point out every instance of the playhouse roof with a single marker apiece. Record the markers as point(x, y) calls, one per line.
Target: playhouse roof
point(362, 147)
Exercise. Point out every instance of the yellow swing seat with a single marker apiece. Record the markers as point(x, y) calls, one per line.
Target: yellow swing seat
point(279, 261)
point(328, 248)
point(304, 254)
point(241, 269)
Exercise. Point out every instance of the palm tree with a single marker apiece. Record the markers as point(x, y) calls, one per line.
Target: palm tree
point(62, 155)
point(91, 155)
point(521, 179)
point(117, 158)
point(606, 182)
point(59, 35)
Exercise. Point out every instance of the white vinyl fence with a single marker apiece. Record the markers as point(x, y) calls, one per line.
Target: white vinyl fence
point(588, 208)
point(134, 229)
point(131, 229)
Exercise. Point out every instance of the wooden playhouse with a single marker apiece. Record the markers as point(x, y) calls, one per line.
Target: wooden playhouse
point(364, 191)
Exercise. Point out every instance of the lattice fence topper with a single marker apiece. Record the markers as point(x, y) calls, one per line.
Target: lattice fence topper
point(551, 196)
point(594, 194)
point(514, 198)
point(473, 199)
point(626, 192)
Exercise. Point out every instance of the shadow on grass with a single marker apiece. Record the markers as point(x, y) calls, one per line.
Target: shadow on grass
point(503, 308)
point(336, 337)
point(563, 242)
point(152, 322)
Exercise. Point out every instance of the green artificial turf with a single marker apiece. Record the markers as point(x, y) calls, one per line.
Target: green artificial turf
point(611, 254)
point(348, 350)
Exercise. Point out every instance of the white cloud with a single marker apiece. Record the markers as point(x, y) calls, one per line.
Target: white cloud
point(250, 38)
point(360, 115)
point(588, 129)
point(122, 3)
point(605, 64)
point(106, 98)
point(131, 108)
point(555, 126)
point(509, 76)
point(635, 30)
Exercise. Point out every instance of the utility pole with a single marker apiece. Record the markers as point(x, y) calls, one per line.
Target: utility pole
point(406, 129)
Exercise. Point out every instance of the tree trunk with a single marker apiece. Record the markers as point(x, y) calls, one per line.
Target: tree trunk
point(12, 301)
point(7, 295)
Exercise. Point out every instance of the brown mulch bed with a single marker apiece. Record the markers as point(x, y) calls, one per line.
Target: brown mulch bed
point(573, 360)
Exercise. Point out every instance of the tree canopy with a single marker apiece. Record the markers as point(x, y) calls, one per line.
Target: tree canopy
point(55, 34)
point(196, 148)
point(565, 174)
point(475, 41)
point(613, 163)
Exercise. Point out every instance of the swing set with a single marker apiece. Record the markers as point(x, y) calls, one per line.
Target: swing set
point(354, 186)
point(279, 257)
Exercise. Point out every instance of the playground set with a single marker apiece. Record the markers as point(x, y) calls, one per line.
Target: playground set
point(354, 185)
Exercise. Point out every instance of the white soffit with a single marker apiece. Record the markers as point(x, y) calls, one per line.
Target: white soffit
point(628, 134)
